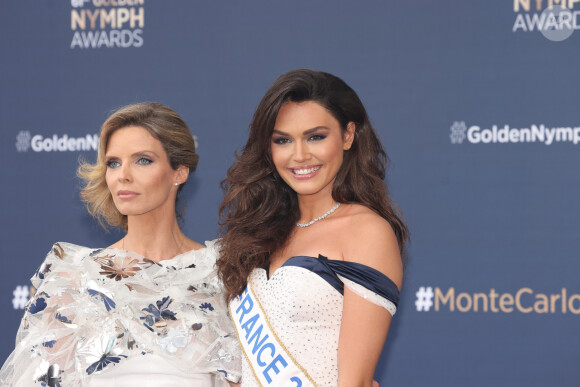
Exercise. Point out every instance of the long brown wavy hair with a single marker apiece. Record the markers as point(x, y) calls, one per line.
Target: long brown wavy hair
point(260, 211)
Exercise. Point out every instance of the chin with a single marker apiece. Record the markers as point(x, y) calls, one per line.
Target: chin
point(127, 211)
point(307, 191)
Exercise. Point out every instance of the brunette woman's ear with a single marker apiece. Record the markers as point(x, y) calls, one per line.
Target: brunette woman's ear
point(349, 135)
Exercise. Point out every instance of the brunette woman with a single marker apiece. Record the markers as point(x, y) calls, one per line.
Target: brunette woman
point(311, 253)
point(146, 311)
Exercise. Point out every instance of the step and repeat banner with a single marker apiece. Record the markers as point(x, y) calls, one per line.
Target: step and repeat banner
point(476, 103)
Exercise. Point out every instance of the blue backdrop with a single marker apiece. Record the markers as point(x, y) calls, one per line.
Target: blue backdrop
point(474, 101)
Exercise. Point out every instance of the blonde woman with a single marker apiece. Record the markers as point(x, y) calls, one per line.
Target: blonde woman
point(147, 310)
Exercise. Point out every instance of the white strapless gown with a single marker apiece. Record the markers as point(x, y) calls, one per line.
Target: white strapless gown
point(303, 302)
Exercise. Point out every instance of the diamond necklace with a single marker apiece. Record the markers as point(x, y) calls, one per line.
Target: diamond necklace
point(319, 218)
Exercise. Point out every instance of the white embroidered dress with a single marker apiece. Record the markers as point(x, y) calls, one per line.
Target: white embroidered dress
point(111, 317)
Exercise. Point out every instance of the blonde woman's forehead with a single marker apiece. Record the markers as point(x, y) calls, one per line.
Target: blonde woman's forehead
point(133, 139)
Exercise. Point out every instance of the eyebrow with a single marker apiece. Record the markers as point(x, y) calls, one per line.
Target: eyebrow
point(140, 153)
point(306, 132)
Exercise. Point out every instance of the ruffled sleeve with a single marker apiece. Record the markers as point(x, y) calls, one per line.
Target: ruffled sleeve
point(46, 339)
point(367, 282)
point(96, 308)
point(224, 355)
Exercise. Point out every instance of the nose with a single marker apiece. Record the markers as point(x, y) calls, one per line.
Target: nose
point(125, 173)
point(301, 152)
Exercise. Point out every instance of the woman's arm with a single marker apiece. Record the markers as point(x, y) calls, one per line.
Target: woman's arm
point(364, 324)
point(46, 338)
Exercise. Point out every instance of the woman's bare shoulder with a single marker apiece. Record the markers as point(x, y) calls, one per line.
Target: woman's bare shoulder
point(370, 240)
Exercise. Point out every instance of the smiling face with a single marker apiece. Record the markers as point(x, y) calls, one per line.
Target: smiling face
point(139, 175)
point(307, 147)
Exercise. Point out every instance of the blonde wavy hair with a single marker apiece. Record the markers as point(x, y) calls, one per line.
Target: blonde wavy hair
point(162, 123)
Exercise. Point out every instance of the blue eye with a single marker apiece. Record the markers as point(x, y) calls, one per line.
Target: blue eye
point(281, 140)
point(113, 164)
point(144, 161)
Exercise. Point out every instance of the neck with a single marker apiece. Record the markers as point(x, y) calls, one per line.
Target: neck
point(153, 236)
point(313, 206)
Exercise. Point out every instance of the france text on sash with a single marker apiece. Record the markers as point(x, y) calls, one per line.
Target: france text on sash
point(270, 361)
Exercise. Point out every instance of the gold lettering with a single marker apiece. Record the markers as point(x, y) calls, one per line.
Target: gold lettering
point(460, 307)
point(519, 300)
point(524, 3)
point(122, 16)
point(541, 304)
point(108, 17)
point(506, 302)
point(563, 300)
point(448, 298)
point(77, 20)
point(492, 297)
point(553, 299)
point(552, 2)
point(117, 3)
point(137, 17)
point(93, 17)
point(476, 298)
point(571, 303)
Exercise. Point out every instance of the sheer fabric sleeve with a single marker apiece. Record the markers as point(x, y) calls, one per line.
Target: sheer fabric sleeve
point(47, 335)
point(224, 355)
point(95, 309)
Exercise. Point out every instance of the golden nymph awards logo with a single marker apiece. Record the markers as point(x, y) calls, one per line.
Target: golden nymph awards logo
point(107, 23)
point(555, 19)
